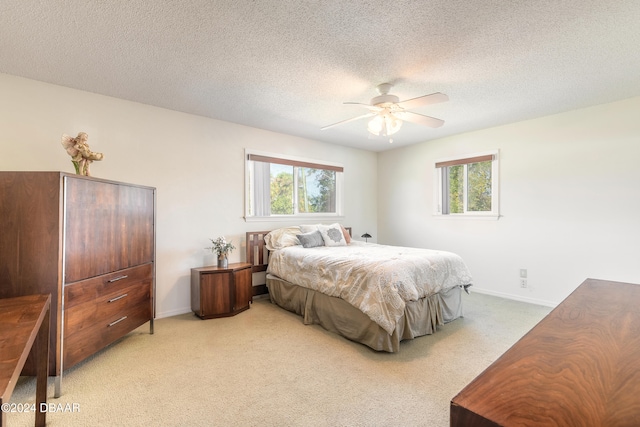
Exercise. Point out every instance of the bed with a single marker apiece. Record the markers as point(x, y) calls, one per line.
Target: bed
point(376, 295)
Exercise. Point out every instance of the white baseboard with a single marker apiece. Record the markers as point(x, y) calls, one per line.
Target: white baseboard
point(175, 312)
point(514, 297)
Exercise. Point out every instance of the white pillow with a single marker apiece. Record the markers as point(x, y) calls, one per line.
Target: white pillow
point(282, 237)
point(309, 228)
point(332, 235)
point(313, 227)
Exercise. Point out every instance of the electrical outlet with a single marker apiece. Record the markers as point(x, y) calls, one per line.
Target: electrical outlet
point(523, 283)
point(523, 273)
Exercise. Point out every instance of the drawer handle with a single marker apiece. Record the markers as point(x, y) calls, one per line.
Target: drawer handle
point(117, 321)
point(117, 278)
point(117, 298)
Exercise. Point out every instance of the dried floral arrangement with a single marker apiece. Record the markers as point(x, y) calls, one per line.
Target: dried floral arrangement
point(81, 154)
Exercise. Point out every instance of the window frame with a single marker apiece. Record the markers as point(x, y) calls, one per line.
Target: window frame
point(466, 160)
point(253, 155)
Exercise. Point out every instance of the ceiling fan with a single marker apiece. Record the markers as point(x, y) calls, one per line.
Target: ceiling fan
point(388, 112)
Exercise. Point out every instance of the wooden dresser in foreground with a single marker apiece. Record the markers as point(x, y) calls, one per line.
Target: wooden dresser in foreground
point(580, 366)
point(88, 242)
point(24, 329)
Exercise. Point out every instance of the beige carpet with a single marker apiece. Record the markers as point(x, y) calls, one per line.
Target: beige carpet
point(263, 367)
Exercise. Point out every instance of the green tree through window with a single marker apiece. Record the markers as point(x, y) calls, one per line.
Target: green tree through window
point(479, 187)
point(468, 185)
point(281, 189)
point(292, 187)
point(316, 190)
point(456, 189)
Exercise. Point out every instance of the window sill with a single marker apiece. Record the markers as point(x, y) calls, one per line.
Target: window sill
point(488, 217)
point(293, 218)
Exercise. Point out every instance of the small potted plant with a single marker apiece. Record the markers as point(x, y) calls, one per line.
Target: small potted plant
point(222, 248)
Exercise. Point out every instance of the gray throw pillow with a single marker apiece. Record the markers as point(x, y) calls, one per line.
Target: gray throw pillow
point(311, 239)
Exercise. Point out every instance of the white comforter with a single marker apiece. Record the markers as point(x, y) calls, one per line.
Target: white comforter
point(377, 279)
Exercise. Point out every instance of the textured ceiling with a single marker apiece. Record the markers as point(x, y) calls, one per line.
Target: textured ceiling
point(288, 65)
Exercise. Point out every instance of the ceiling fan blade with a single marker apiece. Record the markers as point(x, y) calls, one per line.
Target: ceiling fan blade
point(369, 106)
point(348, 120)
point(420, 119)
point(420, 101)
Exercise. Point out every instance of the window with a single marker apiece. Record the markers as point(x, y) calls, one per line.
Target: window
point(468, 186)
point(279, 186)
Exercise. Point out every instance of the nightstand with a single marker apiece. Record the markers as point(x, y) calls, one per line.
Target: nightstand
point(221, 292)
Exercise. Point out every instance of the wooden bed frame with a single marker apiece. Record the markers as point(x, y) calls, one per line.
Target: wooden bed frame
point(258, 257)
point(336, 315)
point(257, 252)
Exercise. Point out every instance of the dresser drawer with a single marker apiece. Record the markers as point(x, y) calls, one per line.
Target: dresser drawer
point(100, 310)
point(80, 344)
point(103, 287)
point(107, 308)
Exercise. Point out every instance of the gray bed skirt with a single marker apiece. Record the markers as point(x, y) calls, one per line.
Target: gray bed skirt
point(336, 315)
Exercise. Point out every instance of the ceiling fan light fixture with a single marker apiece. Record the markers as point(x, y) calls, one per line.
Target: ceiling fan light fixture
point(384, 124)
point(387, 112)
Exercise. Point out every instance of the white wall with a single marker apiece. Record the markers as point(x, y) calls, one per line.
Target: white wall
point(569, 196)
point(570, 186)
point(195, 163)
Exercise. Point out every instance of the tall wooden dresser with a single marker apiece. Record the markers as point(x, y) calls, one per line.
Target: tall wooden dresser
point(88, 242)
